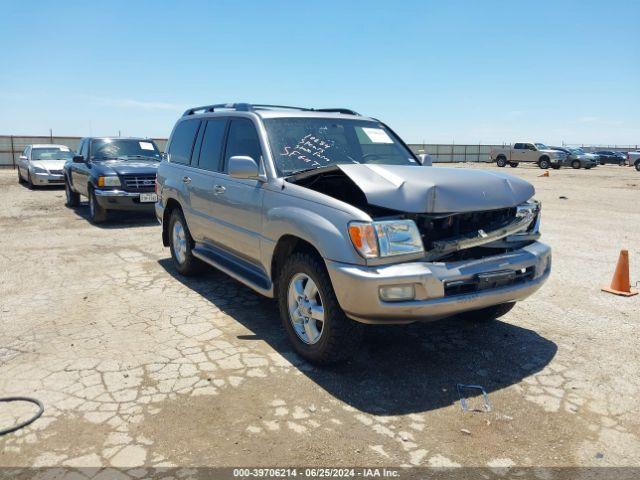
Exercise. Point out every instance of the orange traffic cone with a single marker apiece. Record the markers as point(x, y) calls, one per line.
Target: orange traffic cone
point(620, 284)
point(545, 174)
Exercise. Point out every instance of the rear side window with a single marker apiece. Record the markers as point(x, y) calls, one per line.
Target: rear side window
point(211, 149)
point(182, 141)
point(243, 140)
point(519, 146)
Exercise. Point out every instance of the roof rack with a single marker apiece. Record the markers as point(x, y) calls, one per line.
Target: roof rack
point(247, 107)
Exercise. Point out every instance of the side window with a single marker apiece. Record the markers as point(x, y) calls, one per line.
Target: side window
point(242, 140)
point(528, 146)
point(211, 148)
point(518, 146)
point(182, 141)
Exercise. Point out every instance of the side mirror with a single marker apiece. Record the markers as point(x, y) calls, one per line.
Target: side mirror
point(242, 166)
point(23, 157)
point(425, 159)
point(78, 159)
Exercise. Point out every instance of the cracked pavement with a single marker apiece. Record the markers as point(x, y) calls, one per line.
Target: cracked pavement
point(138, 367)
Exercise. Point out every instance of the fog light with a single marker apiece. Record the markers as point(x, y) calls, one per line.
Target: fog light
point(397, 293)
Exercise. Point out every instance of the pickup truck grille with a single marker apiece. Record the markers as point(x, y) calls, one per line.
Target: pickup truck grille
point(443, 227)
point(139, 183)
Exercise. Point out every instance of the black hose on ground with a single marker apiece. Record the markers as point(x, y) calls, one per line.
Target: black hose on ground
point(27, 422)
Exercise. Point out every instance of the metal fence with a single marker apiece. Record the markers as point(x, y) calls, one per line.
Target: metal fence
point(12, 146)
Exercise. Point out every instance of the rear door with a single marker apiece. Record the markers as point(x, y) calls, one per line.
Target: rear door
point(206, 171)
point(530, 153)
point(517, 153)
point(238, 202)
point(179, 154)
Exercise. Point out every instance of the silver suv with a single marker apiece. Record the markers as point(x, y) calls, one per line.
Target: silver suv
point(332, 214)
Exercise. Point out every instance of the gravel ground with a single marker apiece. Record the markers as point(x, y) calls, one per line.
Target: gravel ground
point(139, 367)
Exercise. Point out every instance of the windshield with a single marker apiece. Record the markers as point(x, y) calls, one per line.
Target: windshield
point(299, 144)
point(51, 153)
point(541, 146)
point(113, 148)
point(576, 151)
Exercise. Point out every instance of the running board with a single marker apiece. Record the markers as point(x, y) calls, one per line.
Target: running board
point(243, 271)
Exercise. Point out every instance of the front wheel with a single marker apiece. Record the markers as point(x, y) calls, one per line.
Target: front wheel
point(73, 198)
point(575, 164)
point(544, 163)
point(181, 245)
point(488, 313)
point(315, 324)
point(501, 162)
point(97, 213)
point(29, 181)
point(637, 166)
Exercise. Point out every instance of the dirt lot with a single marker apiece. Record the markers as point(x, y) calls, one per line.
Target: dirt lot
point(138, 367)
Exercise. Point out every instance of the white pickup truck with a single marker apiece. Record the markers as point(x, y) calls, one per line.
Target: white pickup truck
point(537, 153)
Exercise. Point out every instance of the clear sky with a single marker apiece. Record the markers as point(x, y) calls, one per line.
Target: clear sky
point(435, 71)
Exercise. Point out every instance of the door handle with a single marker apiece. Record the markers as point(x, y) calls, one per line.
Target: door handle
point(186, 179)
point(219, 189)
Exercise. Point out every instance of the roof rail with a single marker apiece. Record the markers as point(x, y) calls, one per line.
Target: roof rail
point(247, 107)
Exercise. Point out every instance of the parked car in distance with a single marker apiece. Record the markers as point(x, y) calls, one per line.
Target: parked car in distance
point(634, 159)
point(610, 157)
point(42, 164)
point(333, 215)
point(578, 158)
point(537, 153)
point(114, 174)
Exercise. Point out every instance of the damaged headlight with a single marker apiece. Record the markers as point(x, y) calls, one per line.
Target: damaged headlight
point(529, 209)
point(385, 238)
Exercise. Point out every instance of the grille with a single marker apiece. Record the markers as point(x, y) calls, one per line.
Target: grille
point(444, 227)
point(55, 172)
point(139, 183)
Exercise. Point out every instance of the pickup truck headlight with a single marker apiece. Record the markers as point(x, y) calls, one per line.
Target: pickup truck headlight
point(111, 181)
point(385, 238)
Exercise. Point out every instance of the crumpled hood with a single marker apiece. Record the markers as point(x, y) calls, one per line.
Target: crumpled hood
point(49, 164)
point(437, 190)
point(131, 167)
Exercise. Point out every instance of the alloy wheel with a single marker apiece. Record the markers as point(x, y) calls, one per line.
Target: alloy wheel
point(306, 310)
point(179, 242)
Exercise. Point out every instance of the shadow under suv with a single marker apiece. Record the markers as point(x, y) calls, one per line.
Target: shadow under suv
point(333, 215)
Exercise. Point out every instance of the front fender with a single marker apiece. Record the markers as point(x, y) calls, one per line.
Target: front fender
point(329, 237)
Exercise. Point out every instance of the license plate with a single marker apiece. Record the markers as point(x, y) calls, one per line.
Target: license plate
point(148, 197)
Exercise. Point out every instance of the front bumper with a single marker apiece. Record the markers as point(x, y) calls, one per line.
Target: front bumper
point(122, 200)
point(357, 287)
point(46, 179)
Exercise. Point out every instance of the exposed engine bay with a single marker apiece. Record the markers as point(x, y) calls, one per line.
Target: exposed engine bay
point(455, 235)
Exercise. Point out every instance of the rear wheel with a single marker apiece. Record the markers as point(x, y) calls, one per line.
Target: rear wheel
point(637, 164)
point(73, 198)
point(488, 313)
point(315, 324)
point(575, 164)
point(97, 214)
point(544, 163)
point(181, 245)
point(501, 162)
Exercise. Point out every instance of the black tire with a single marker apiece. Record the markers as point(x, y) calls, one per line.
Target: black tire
point(73, 198)
point(20, 179)
point(187, 265)
point(575, 164)
point(488, 313)
point(97, 214)
point(544, 163)
point(637, 165)
point(513, 164)
point(339, 336)
point(501, 162)
point(622, 163)
point(30, 184)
